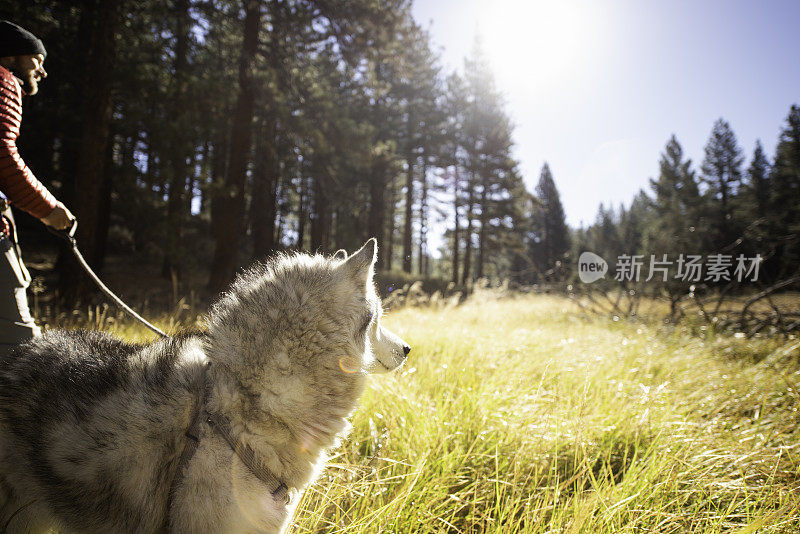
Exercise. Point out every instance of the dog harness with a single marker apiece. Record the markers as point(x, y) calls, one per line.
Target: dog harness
point(222, 425)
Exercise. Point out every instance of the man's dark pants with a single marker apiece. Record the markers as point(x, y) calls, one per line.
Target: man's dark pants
point(16, 323)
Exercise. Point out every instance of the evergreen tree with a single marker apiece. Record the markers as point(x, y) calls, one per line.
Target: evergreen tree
point(757, 188)
point(93, 179)
point(231, 217)
point(453, 157)
point(784, 209)
point(752, 203)
point(550, 227)
point(292, 133)
point(722, 175)
point(603, 236)
point(677, 226)
point(490, 170)
point(418, 88)
point(180, 142)
point(634, 223)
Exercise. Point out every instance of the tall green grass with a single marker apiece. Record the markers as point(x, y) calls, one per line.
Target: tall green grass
point(521, 415)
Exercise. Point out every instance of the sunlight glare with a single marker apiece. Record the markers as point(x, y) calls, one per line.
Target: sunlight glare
point(531, 43)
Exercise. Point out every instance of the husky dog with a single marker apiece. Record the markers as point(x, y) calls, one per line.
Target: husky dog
point(218, 432)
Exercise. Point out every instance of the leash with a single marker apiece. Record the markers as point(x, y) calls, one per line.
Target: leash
point(68, 234)
point(201, 416)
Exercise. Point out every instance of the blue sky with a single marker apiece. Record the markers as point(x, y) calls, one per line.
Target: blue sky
point(596, 88)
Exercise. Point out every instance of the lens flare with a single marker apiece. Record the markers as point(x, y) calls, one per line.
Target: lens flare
point(349, 365)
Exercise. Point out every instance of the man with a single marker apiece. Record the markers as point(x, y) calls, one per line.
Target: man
point(21, 68)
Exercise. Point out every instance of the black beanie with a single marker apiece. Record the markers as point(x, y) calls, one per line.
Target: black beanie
point(16, 41)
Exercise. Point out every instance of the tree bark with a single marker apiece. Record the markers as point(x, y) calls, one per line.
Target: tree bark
point(232, 217)
point(423, 220)
point(91, 180)
point(388, 249)
point(377, 208)
point(104, 208)
point(173, 253)
point(148, 158)
point(465, 275)
point(205, 178)
point(193, 183)
point(265, 182)
point(407, 226)
point(456, 263)
point(219, 166)
point(484, 220)
point(302, 213)
point(320, 224)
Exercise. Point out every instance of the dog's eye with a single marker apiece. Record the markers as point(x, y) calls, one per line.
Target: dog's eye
point(367, 322)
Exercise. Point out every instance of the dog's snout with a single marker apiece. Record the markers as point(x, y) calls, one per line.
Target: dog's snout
point(406, 349)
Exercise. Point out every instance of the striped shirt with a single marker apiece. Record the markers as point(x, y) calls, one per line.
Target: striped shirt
point(17, 181)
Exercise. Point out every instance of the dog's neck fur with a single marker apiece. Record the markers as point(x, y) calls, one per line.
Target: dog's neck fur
point(292, 446)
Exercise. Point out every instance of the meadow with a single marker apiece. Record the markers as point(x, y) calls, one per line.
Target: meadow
point(520, 414)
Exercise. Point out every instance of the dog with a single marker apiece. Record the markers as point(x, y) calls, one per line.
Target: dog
point(218, 432)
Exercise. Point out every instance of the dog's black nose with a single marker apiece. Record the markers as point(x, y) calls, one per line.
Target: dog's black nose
point(406, 350)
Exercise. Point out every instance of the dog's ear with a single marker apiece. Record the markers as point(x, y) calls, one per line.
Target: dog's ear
point(361, 262)
point(340, 254)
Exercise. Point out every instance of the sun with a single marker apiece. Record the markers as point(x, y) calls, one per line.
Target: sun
point(534, 42)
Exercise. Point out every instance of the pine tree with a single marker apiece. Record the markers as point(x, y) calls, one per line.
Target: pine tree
point(634, 223)
point(231, 222)
point(752, 203)
point(93, 180)
point(603, 236)
point(418, 88)
point(180, 142)
point(784, 210)
point(677, 226)
point(722, 174)
point(550, 225)
point(490, 170)
point(757, 185)
point(453, 157)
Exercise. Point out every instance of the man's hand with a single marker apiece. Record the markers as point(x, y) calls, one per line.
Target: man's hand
point(59, 218)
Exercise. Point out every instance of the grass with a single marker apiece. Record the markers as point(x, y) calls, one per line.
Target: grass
point(522, 415)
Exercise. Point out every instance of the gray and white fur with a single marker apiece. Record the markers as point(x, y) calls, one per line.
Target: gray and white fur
point(92, 429)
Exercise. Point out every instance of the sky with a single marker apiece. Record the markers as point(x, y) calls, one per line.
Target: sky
point(595, 88)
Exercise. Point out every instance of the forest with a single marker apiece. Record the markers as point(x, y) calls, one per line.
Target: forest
point(208, 134)
point(200, 135)
point(192, 138)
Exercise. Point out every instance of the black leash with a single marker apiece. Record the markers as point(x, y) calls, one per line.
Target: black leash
point(68, 234)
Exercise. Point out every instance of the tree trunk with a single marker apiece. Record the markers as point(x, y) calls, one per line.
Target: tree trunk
point(388, 250)
point(302, 213)
point(173, 253)
point(407, 226)
point(456, 180)
point(219, 166)
point(205, 176)
point(377, 208)
point(423, 220)
point(726, 234)
point(465, 275)
point(104, 211)
point(91, 180)
point(265, 180)
point(484, 220)
point(232, 218)
point(320, 224)
point(283, 208)
point(193, 183)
